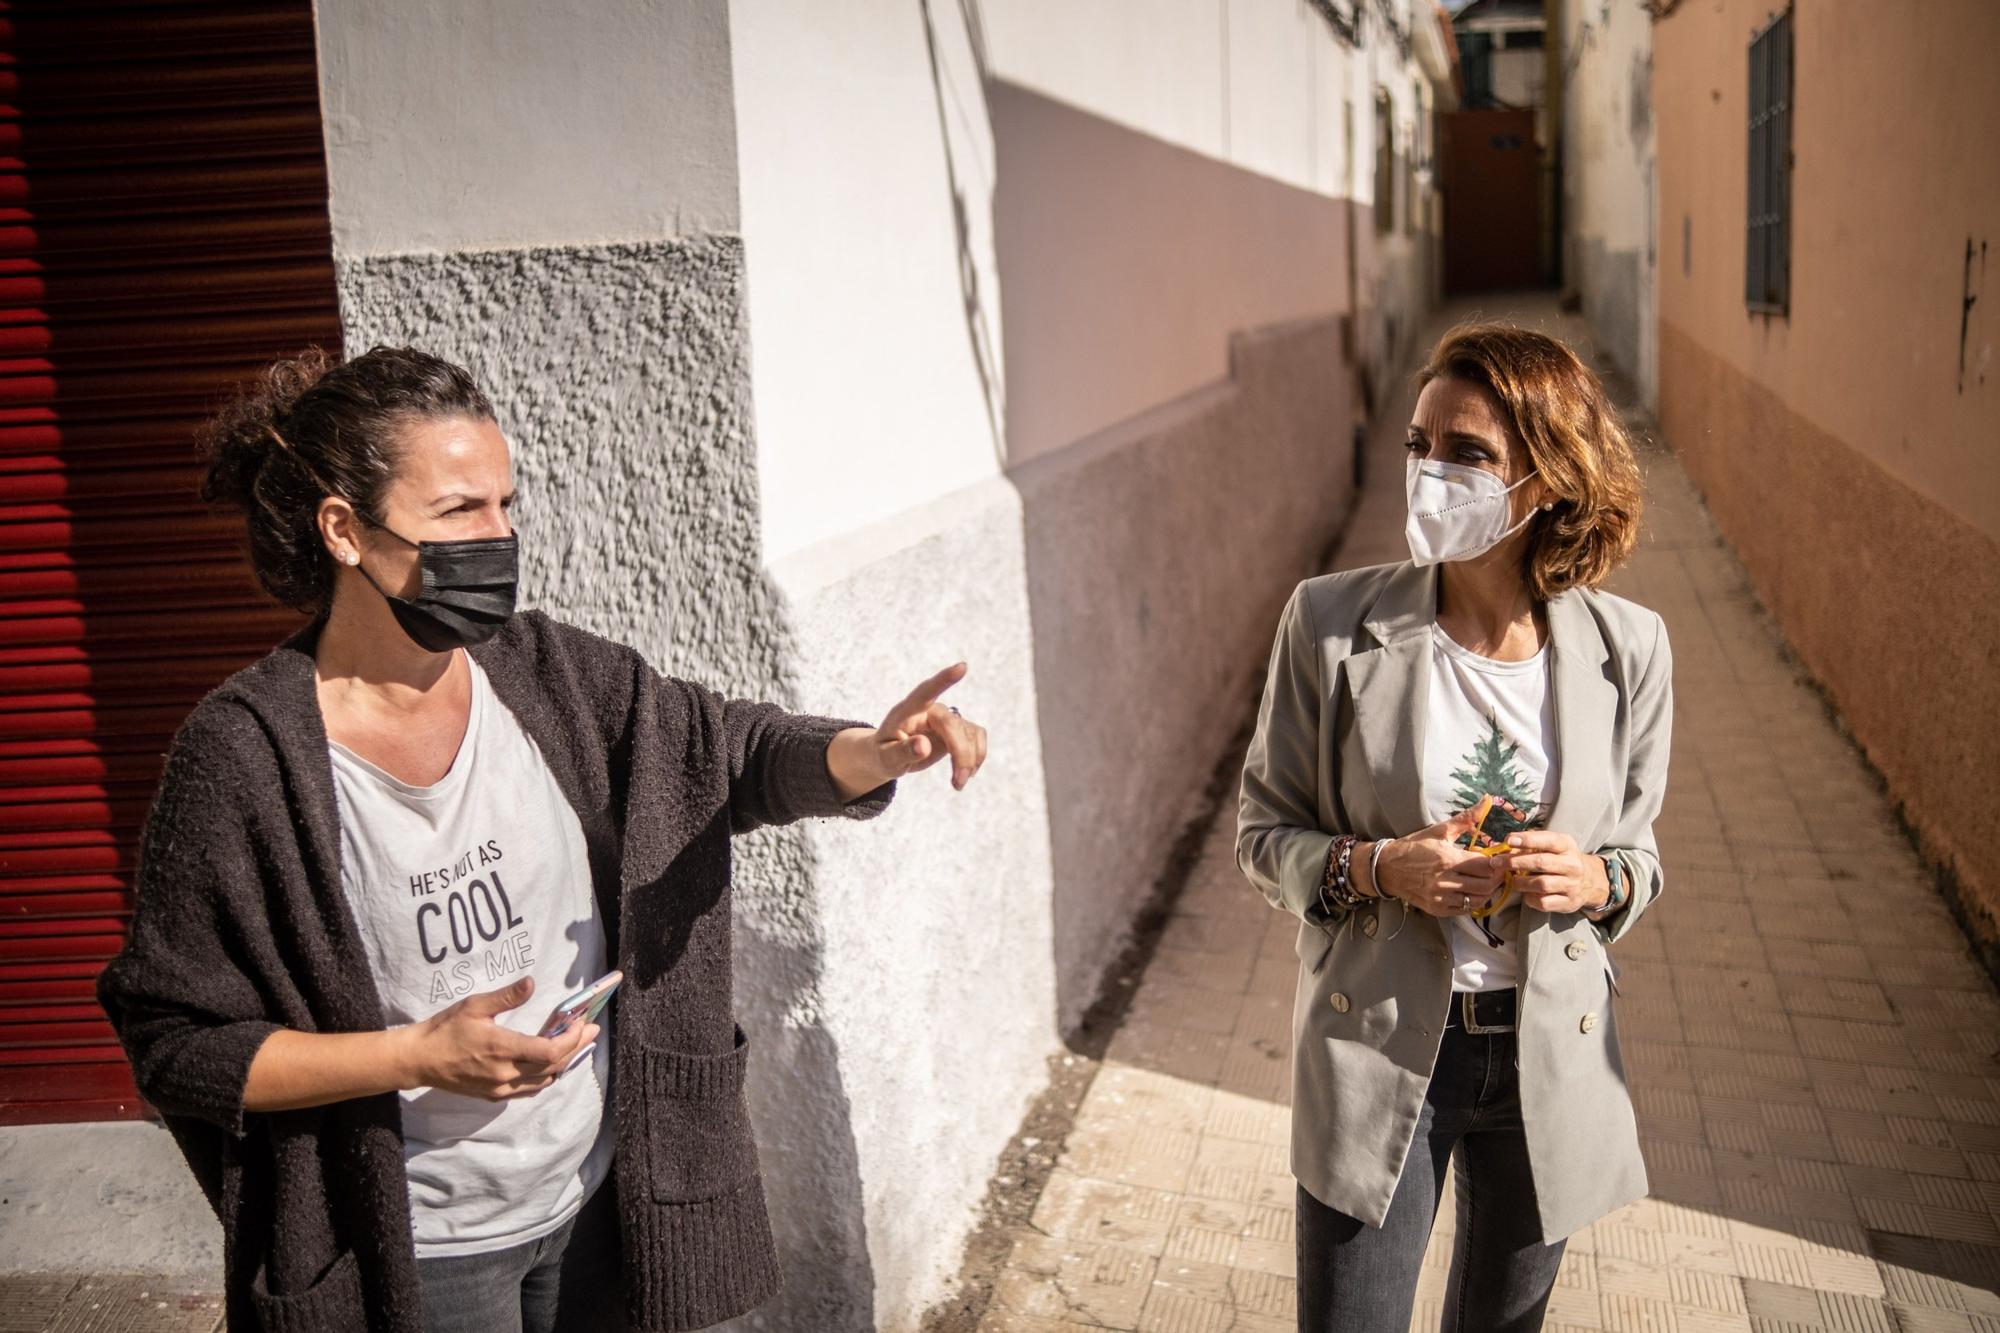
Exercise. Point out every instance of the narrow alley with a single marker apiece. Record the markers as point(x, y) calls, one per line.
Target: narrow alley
point(1811, 1045)
point(622, 426)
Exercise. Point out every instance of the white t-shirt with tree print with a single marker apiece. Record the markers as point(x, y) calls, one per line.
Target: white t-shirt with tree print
point(1491, 727)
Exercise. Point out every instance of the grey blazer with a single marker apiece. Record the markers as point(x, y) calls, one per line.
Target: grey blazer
point(1337, 748)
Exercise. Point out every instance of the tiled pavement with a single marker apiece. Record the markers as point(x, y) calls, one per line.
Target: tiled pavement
point(1812, 1049)
point(107, 1303)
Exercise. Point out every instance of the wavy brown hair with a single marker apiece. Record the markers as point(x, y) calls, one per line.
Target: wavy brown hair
point(1578, 445)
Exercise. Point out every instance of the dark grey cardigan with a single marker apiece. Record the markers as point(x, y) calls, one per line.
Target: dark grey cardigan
point(242, 928)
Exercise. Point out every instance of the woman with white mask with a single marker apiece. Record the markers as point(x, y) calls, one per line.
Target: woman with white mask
point(1453, 783)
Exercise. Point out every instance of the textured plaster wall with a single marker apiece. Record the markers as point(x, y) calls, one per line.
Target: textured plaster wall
point(619, 375)
point(939, 979)
point(1158, 555)
point(454, 124)
point(884, 377)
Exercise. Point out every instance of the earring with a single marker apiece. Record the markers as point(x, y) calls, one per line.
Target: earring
point(352, 557)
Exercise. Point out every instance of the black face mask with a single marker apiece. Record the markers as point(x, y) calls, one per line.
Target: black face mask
point(468, 591)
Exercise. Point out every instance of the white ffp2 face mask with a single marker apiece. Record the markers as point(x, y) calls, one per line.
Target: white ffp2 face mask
point(1456, 512)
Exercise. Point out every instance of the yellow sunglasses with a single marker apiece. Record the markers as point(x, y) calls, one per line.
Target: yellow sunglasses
point(1492, 848)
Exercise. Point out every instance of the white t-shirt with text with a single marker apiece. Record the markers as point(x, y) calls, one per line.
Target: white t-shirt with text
point(462, 886)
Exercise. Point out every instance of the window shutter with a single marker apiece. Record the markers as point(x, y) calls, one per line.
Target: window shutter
point(163, 234)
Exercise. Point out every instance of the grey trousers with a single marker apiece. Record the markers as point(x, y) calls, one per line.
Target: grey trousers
point(1354, 1278)
point(569, 1280)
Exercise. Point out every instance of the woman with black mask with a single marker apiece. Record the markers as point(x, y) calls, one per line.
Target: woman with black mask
point(381, 856)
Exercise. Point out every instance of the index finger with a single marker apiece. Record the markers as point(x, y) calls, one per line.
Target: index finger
point(929, 692)
point(1537, 840)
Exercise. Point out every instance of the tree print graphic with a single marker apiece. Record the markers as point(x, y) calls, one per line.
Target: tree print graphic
point(1489, 768)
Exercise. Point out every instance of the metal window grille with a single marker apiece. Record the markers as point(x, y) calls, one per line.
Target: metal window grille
point(1767, 268)
point(1385, 165)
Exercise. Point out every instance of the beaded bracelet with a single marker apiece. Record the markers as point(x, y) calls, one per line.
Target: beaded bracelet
point(1335, 884)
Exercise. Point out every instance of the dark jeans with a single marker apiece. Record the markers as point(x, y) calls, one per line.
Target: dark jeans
point(1354, 1278)
point(570, 1279)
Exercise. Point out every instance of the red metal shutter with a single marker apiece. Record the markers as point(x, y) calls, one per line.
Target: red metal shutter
point(163, 233)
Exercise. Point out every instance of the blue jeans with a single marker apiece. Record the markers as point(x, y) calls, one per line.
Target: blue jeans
point(1354, 1278)
point(570, 1279)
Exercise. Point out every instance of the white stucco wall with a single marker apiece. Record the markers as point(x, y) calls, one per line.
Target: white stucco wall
point(903, 530)
point(939, 980)
point(1247, 82)
point(481, 124)
point(1265, 87)
point(1167, 183)
point(874, 307)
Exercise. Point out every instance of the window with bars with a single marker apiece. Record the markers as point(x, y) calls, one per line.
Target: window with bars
point(1385, 165)
point(1767, 267)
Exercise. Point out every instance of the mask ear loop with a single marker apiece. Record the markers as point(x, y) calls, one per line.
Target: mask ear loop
point(334, 493)
point(1526, 518)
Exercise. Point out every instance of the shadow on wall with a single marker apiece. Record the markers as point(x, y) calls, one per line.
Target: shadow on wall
point(1158, 550)
point(1158, 556)
point(638, 516)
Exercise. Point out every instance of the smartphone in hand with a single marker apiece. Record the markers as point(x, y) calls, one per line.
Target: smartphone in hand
point(582, 1007)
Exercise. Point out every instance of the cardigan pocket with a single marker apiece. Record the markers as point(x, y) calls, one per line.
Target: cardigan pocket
point(333, 1302)
point(698, 1139)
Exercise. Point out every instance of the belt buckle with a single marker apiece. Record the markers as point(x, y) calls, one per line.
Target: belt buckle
point(1469, 1015)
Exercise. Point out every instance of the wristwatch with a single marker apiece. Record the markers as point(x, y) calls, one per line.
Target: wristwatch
point(1614, 874)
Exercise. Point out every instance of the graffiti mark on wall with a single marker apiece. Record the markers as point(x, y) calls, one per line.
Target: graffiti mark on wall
point(1975, 283)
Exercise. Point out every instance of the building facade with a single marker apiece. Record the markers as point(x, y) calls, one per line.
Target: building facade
point(1608, 189)
point(839, 342)
point(1827, 205)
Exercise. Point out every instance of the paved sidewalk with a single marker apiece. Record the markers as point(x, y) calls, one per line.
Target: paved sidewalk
point(107, 1303)
point(1811, 1047)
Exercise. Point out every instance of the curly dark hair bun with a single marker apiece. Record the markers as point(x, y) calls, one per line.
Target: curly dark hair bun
point(311, 426)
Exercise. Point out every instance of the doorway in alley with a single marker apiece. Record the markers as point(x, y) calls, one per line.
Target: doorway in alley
point(1492, 201)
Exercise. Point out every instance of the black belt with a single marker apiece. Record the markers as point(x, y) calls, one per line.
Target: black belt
point(1483, 1012)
